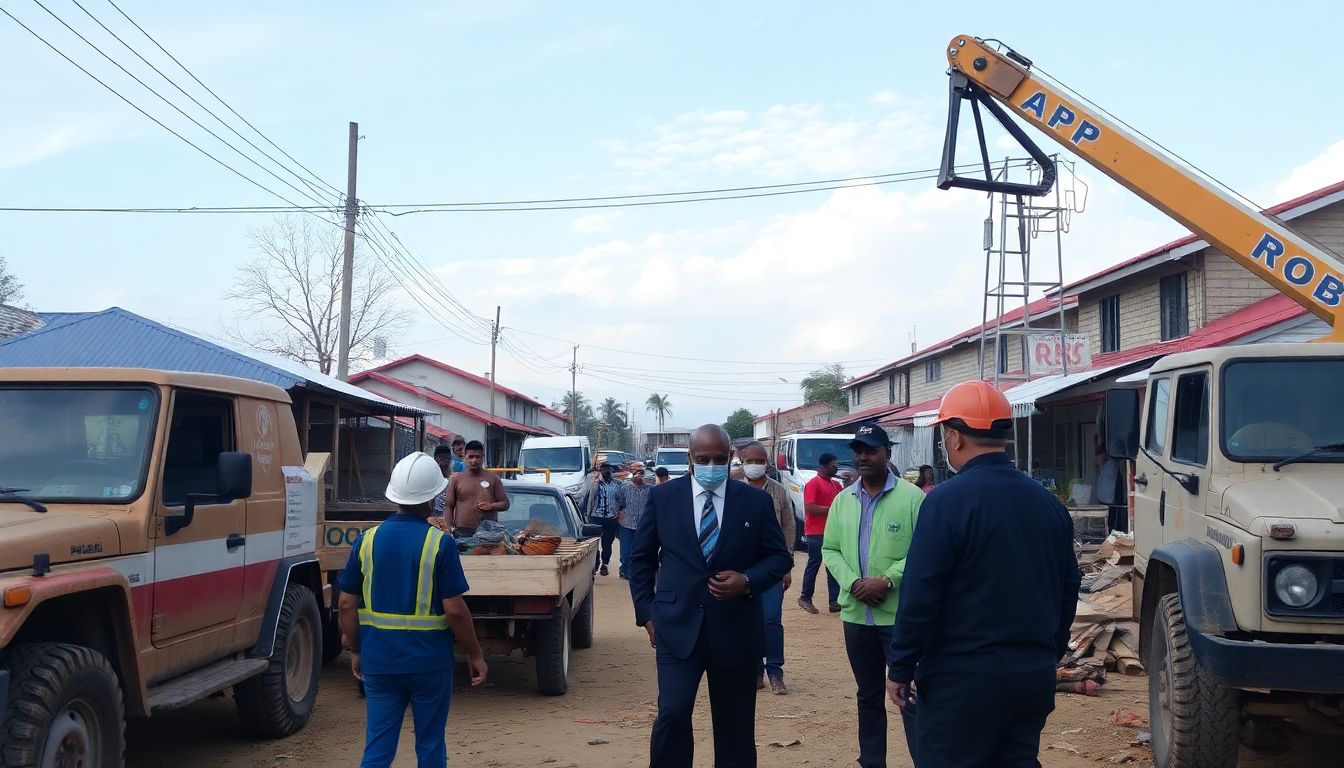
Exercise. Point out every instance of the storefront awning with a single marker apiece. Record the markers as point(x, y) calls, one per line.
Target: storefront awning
point(926, 418)
point(1024, 396)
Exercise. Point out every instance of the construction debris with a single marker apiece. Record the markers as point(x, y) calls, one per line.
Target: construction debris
point(1104, 636)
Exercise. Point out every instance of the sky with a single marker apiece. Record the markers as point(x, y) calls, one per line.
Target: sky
point(719, 305)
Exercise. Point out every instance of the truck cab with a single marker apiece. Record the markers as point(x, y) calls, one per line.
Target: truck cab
point(154, 551)
point(1238, 504)
point(568, 459)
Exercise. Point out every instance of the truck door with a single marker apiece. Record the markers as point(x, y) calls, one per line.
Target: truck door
point(1189, 457)
point(198, 569)
point(1149, 493)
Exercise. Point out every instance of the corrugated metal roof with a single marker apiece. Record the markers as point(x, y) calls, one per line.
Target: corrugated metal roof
point(115, 338)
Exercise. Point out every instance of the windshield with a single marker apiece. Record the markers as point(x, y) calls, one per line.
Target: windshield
point(672, 459)
point(66, 444)
point(564, 459)
point(809, 451)
point(1276, 409)
point(526, 506)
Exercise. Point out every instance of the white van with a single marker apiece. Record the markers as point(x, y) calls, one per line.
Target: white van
point(569, 458)
point(796, 459)
point(676, 460)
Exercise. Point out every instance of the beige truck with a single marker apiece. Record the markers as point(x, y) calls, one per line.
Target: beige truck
point(537, 605)
point(1238, 498)
point(158, 541)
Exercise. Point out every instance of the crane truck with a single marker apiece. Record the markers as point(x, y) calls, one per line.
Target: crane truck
point(1236, 454)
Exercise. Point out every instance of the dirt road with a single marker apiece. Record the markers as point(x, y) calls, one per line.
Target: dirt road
point(612, 698)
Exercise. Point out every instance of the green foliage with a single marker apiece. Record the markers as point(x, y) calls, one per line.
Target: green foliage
point(740, 423)
point(823, 386)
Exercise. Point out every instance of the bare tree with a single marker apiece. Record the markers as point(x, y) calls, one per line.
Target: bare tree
point(294, 284)
point(11, 289)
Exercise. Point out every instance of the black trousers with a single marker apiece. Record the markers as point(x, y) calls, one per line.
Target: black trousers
point(609, 529)
point(868, 649)
point(732, 706)
point(1008, 714)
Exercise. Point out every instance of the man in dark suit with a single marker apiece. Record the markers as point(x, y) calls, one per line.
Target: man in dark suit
point(706, 549)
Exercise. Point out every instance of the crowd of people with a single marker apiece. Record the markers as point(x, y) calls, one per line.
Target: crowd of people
point(955, 600)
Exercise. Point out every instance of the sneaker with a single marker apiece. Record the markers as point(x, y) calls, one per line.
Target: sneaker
point(604, 571)
point(835, 607)
point(777, 686)
point(624, 575)
point(807, 605)
point(760, 681)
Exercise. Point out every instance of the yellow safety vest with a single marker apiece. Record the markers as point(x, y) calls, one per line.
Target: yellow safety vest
point(423, 619)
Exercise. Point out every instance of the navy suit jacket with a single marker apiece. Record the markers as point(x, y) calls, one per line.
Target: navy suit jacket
point(669, 576)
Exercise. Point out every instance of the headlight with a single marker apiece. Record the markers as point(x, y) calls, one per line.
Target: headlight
point(573, 488)
point(1295, 586)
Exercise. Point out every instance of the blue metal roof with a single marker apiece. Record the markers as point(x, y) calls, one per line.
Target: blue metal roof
point(115, 338)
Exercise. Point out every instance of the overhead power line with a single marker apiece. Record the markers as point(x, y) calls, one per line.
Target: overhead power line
point(155, 120)
point(625, 201)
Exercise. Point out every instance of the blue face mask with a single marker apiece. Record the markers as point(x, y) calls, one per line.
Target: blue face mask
point(711, 476)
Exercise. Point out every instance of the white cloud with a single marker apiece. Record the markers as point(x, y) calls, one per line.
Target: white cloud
point(597, 223)
point(782, 141)
point(886, 98)
point(1323, 170)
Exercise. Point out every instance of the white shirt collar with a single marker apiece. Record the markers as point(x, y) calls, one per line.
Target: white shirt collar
point(698, 490)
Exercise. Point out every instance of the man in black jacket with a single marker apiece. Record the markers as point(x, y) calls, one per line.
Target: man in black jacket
point(706, 551)
point(990, 591)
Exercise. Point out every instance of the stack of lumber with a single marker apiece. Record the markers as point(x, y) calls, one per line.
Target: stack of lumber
point(1104, 636)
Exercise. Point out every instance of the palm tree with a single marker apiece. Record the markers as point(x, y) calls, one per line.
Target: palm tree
point(661, 406)
point(612, 413)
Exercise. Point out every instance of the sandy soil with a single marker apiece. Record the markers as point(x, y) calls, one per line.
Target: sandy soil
point(612, 699)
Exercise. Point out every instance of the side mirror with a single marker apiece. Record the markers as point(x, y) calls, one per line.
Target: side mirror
point(1120, 425)
point(233, 480)
point(590, 531)
point(781, 462)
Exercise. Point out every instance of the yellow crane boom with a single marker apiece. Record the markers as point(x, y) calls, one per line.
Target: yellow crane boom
point(1313, 276)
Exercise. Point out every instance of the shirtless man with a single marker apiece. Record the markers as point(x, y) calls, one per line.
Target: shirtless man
point(474, 495)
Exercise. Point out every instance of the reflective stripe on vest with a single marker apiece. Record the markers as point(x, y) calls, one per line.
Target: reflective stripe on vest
point(423, 619)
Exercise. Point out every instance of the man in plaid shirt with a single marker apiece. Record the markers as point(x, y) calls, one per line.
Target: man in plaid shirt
point(635, 496)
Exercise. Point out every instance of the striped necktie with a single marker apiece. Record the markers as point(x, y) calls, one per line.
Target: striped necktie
point(709, 526)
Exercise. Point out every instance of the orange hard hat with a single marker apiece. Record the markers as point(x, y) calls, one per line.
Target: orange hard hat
point(976, 407)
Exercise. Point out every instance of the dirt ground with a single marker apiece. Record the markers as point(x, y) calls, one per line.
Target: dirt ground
point(612, 702)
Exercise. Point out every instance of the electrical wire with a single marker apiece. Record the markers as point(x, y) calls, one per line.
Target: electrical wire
point(321, 193)
point(469, 207)
point(155, 120)
point(220, 99)
point(693, 359)
point(170, 103)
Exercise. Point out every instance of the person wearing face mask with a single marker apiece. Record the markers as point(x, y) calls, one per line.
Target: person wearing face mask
point(705, 552)
point(989, 593)
point(755, 460)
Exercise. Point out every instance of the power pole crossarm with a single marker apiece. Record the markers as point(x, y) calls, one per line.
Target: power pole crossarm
point(494, 341)
point(348, 268)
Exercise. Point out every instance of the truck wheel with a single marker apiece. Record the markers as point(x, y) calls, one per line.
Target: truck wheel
point(331, 638)
point(65, 709)
point(278, 701)
point(581, 630)
point(552, 650)
point(1195, 720)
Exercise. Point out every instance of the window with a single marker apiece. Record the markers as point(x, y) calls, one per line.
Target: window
point(855, 394)
point(1158, 399)
point(1190, 439)
point(891, 389)
point(202, 428)
point(933, 370)
point(1175, 312)
point(1001, 352)
point(1296, 416)
point(1110, 323)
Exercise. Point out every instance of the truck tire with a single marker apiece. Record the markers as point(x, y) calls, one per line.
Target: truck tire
point(552, 651)
point(65, 708)
point(331, 637)
point(581, 629)
point(278, 701)
point(1195, 721)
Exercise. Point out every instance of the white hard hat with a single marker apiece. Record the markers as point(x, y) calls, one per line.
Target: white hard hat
point(415, 480)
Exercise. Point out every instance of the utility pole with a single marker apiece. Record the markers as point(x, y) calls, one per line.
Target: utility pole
point(348, 269)
point(494, 340)
point(574, 393)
